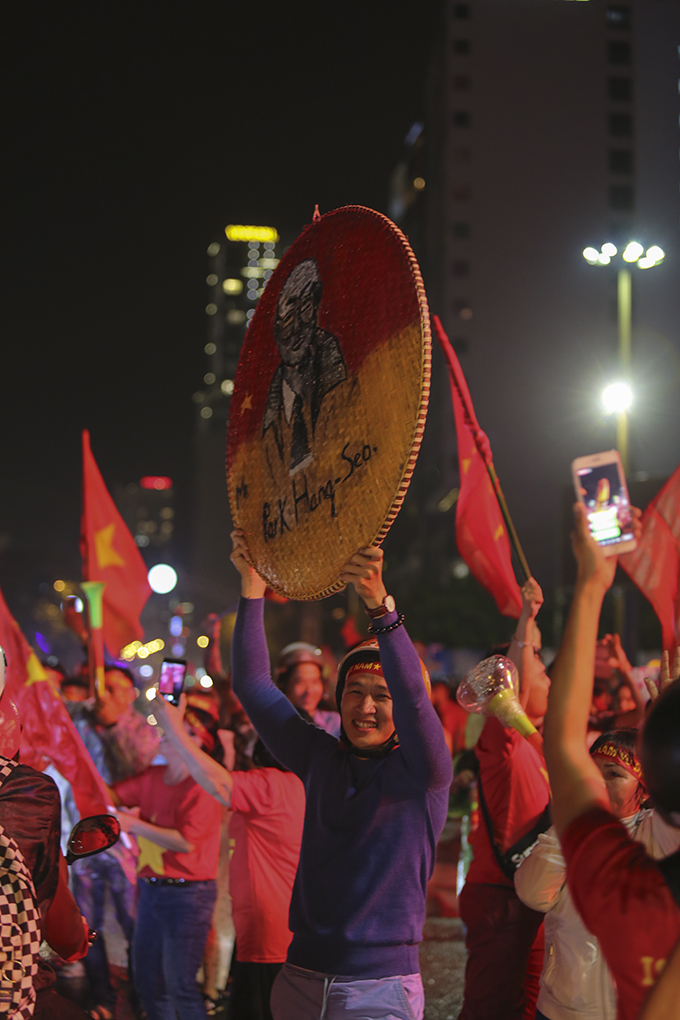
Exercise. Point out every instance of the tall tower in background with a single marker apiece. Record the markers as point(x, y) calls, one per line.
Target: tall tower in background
point(550, 126)
point(239, 268)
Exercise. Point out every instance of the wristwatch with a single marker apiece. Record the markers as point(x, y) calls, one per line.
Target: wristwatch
point(388, 606)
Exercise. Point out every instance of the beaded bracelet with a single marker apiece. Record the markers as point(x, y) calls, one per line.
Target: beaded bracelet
point(385, 630)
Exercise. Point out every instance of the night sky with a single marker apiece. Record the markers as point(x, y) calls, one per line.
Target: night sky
point(134, 133)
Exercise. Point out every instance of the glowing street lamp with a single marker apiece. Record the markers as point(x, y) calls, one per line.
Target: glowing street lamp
point(617, 398)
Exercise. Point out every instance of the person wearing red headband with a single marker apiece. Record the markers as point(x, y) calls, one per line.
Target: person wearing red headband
point(623, 895)
point(575, 983)
point(376, 803)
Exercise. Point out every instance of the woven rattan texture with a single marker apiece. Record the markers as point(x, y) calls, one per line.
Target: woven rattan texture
point(329, 401)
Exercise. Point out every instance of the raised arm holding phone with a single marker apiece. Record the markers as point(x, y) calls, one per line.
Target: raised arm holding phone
point(620, 892)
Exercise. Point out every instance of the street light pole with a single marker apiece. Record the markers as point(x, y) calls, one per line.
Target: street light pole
point(633, 253)
point(625, 315)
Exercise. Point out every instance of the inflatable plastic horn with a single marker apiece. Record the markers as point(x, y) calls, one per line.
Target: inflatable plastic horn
point(490, 688)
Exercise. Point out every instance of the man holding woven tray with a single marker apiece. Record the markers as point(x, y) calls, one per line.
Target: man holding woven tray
point(376, 804)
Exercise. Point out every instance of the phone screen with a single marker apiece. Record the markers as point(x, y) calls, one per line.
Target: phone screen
point(171, 679)
point(606, 501)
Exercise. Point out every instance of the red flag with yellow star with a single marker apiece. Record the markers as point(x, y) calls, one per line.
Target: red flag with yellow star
point(48, 735)
point(110, 555)
point(481, 533)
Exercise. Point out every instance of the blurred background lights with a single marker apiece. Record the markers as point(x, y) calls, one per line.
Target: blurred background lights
point(59, 585)
point(213, 249)
point(227, 386)
point(232, 286)
point(211, 280)
point(162, 577)
point(617, 398)
point(146, 670)
point(206, 681)
point(176, 624)
point(656, 253)
point(206, 412)
point(604, 260)
point(591, 254)
point(632, 252)
point(210, 348)
point(609, 249)
point(151, 693)
point(203, 641)
point(419, 183)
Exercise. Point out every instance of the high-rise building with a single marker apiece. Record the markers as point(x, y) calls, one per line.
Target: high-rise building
point(239, 267)
point(551, 125)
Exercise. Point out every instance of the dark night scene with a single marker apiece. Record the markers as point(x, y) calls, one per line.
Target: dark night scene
point(340, 517)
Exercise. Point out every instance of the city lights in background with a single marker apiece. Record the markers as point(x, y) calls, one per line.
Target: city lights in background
point(206, 681)
point(237, 232)
point(633, 253)
point(142, 651)
point(158, 482)
point(162, 578)
point(617, 398)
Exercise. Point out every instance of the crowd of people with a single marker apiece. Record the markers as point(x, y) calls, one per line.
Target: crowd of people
point(313, 899)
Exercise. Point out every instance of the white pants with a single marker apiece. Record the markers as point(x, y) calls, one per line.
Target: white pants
point(300, 994)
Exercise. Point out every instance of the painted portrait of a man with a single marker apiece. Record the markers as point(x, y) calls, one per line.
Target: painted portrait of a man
point(311, 365)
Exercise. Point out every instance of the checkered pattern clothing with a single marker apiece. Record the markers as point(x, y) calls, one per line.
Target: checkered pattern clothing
point(20, 926)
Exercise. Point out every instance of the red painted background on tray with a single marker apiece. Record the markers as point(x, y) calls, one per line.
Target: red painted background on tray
point(368, 297)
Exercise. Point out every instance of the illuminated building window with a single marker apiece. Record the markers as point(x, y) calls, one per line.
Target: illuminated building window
point(620, 161)
point(461, 46)
point(621, 197)
point(461, 11)
point(620, 125)
point(461, 118)
point(618, 17)
point(618, 52)
point(461, 230)
point(620, 90)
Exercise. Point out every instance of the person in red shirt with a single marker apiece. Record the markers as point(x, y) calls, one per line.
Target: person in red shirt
point(504, 937)
point(178, 832)
point(268, 804)
point(619, 890)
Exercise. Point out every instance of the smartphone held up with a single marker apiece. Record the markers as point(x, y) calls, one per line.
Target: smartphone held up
point(171, 679)
point(601, 486)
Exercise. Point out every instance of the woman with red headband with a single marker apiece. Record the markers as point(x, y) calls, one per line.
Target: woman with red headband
point(376, 803)
point(576, 983)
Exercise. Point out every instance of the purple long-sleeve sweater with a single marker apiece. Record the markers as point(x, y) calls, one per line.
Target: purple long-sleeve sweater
point(371, 825)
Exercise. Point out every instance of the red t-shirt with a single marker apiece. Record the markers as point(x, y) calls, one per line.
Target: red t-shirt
point(266, 826)
point(185, 807)
point(624, 900)
point(516, 791)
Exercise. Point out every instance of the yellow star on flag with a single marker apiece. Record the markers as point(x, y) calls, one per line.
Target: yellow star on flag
point(498, 533)
point(466, 464)
point(247, 404)
point(103, 545)
point(150, 855)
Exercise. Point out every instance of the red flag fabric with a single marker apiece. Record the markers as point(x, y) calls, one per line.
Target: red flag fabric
point(655, 565)
point(481, 533)
point(48, 735)
point(110, 555)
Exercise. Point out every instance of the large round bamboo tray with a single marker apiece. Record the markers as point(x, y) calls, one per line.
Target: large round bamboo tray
point(329, 401)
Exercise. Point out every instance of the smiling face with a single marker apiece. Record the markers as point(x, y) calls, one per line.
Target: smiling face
point(305, 687)
point(366, 710)
point(622, 787)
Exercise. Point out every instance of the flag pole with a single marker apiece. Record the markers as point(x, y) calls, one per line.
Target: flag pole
point(485, 454)
point(93, 593)
point(508, 520)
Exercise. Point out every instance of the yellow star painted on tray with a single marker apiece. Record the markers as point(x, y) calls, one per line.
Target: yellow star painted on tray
point(103, 545)
point(247, 404)
point(151, 855)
